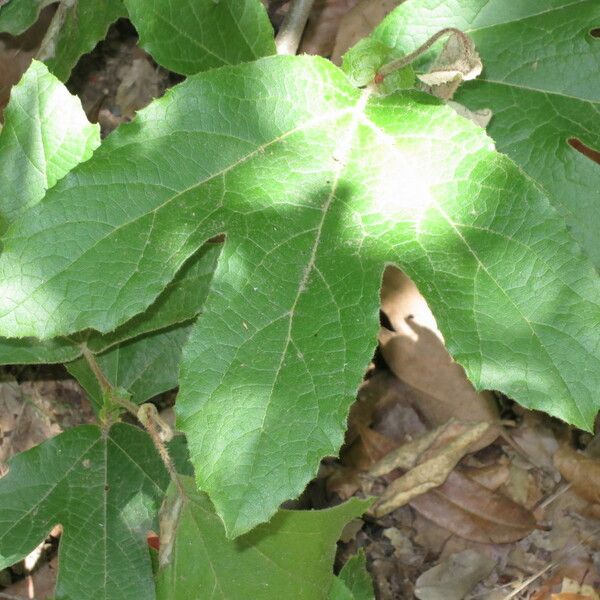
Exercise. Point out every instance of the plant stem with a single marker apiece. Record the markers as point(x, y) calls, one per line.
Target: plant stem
point(292, 28)
point(403, 61)
point(148, 418)
point(151, 428)
point(108, 390)
point(105, 384)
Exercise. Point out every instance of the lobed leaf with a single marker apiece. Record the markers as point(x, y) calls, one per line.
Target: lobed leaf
point(45, 135)
point(541, 81)
point(105, 489)
point(317, 186)
point(290, 557)
point(354, 581)
point(189, 36)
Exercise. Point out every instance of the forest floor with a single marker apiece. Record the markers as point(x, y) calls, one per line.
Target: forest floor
point(478, 497)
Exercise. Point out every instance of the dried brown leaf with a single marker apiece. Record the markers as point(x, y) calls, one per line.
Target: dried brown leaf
point(359, 23)
point(473, 512)
point(454, 577)
point(430, 473)
point(416, 354)
point(322, 27)
point(582, 471)
point(457, 62)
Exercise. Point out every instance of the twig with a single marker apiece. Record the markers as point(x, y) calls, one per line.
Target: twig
point(105, 384)
point(529, 581)
point(292, 28)
point(149, 421)
point(401, 62)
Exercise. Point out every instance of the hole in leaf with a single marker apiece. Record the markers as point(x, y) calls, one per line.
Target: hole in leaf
point(595, 32)
point(585, 150)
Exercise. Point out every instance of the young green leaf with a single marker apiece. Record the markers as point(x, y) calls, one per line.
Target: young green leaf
point(317, 186)
point(544, 91)
point(355, 576)
point(45, 135)
point(189, 36)
point(105, 489)
point(354, 581)
point(76, 27)
point(290, 557)
point(16, 17)
point(144, 366)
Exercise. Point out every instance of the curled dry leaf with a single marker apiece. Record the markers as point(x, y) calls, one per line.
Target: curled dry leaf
point(457, 62)
point(473, 512)
point(416, 354)
point(430, 473)
point(582, 471)
point(455, 577)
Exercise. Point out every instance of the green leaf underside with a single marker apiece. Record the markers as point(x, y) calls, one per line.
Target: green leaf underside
point(145, 366)
point(79, 26)
point(316, 187)
point(541, 81)
point(290, 557)
point(189, 36)
point(105, 491)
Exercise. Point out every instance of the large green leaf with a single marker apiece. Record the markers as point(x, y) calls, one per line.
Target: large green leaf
point(105, 489)
point(45, 135)
point(189, 36)
point(179, 302)
point(317, 186)
point(541, 81)
point(290, 557)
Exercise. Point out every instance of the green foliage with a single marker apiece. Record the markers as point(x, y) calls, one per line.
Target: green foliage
point(302, 262)
point(16, 17)
point(315, 186)
point(76, 27)
point(45, 135)
point(105, 489)
point(541, 81)
point(290, 557)
point(367, 57)
point(354, 581)
point(189, 36)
